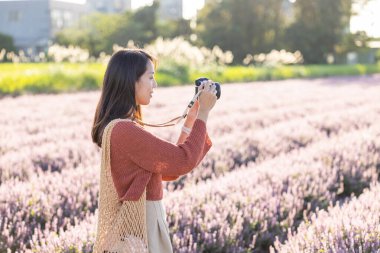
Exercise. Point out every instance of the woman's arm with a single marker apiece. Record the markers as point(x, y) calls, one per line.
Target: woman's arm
point(190, 119)
point(156, 155)
point(181, 139)
point(182, 136)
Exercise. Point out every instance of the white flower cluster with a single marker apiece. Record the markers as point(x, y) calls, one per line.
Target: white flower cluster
point(55, 53)
point(178, 50)
point(21, 56)
point(275, 57)
point(71, 54)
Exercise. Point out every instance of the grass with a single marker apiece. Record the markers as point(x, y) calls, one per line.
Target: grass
point(248, 74)
point(17, 79)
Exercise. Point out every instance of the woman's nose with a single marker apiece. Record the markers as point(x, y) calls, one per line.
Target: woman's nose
point(154, 84)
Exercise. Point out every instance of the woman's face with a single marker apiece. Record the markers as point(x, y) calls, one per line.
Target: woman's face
point(145, 85)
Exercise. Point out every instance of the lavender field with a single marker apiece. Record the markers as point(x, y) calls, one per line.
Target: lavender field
point(294, 167)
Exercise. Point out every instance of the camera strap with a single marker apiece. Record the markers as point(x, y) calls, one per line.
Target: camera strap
point(176, 120)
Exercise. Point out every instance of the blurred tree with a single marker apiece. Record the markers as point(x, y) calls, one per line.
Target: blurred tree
point(92, 33)
point(318, 28)
point(352, 42)
point(242, 26)
point(99, 32)
point(139, 26)
point(358, 40)
point(174, 28)
point(6, 42)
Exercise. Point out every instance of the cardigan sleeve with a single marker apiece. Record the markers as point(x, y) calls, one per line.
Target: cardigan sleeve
point(206, 147)
point(155, 154)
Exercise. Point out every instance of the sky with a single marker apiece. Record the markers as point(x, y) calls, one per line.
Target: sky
point(189, 6)
point(368, 20)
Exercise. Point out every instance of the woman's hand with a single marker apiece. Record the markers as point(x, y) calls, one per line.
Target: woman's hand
point(192, 115)
point(208, 98)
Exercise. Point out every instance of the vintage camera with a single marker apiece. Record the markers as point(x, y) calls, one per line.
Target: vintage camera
point(199, 81)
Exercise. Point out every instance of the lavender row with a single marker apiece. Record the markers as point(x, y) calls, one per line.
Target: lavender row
point(24, 132)
point(258, 145)
point(75, 202)
point(246, 120)
point(49, 157)
point(66, 122)
point(29, 160)
point(72, 116)
point(80, 237)
point(274, 106)
point(53, 202)
point(349, 228)
point(246, 209)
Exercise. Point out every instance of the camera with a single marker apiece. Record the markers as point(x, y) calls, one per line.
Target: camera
point(199, 81)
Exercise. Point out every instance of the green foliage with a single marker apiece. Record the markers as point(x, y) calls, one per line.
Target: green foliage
point(92, 33)
point(377, 56)
point(319, 27)
point(352, 42)
point(139, 26)
point(17, 79)
point(248, 74)
point(174, 28)
point(242, 26)
point(99, 32)
point(166, 80)
point(6, 42)
point(173, 73)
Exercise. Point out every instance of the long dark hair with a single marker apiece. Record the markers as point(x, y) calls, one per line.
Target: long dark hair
point(117, 99)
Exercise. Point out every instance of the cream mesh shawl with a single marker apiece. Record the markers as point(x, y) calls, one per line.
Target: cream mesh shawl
point(121, 225)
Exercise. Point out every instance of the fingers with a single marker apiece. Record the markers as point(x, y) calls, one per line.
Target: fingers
point(208, 96)
point(213, 89)
point(208, 85)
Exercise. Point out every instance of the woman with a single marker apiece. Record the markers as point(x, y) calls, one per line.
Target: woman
point(134, 161)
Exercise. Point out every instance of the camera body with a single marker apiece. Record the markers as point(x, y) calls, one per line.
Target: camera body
point(200, 80)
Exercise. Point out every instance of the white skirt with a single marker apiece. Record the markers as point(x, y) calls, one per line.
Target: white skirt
point(157, 228)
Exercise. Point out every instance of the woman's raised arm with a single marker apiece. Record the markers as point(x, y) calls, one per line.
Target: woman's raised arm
point(155, 154)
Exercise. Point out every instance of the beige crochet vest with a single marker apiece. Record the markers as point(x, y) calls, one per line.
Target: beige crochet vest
point(121, 225)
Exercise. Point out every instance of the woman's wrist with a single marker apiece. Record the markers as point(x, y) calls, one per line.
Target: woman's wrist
point(186, 130)
point(203, 115)
point(189, 123)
